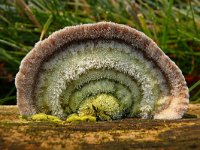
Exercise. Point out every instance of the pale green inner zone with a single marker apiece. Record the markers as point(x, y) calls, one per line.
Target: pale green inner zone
point(84, 74)
point(100, 81)
point(122, 94)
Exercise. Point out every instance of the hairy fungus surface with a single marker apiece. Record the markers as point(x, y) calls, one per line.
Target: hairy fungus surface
point(105, 70)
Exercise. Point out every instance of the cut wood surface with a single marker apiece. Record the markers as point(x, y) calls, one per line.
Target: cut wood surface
point(120, 134)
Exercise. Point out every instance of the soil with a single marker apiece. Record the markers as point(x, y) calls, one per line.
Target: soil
point(130, 133)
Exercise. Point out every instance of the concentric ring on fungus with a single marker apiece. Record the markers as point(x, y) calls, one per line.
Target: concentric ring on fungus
point(102, 67)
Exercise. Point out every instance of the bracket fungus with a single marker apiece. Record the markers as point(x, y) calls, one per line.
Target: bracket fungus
point(105, 70)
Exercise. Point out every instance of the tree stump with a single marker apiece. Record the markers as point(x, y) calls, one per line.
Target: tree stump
point(120, 134)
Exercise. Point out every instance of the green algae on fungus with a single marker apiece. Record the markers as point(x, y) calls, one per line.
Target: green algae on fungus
point(104, 70)
point(103, 107)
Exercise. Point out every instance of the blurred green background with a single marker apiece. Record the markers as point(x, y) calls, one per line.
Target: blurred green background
point(173, 24)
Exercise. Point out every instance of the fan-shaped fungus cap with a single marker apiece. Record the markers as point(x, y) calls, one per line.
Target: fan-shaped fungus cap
point(104, 69)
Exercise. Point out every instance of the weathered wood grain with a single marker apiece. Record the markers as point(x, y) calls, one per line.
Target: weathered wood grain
point(122, 134)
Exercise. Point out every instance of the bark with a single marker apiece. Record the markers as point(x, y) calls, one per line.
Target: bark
point(120, 134)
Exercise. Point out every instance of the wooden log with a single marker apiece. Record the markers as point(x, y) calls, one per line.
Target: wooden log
point(120, 134)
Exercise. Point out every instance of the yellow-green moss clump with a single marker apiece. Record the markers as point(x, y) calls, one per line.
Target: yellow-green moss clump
point(75, 118)
point(44, 117)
